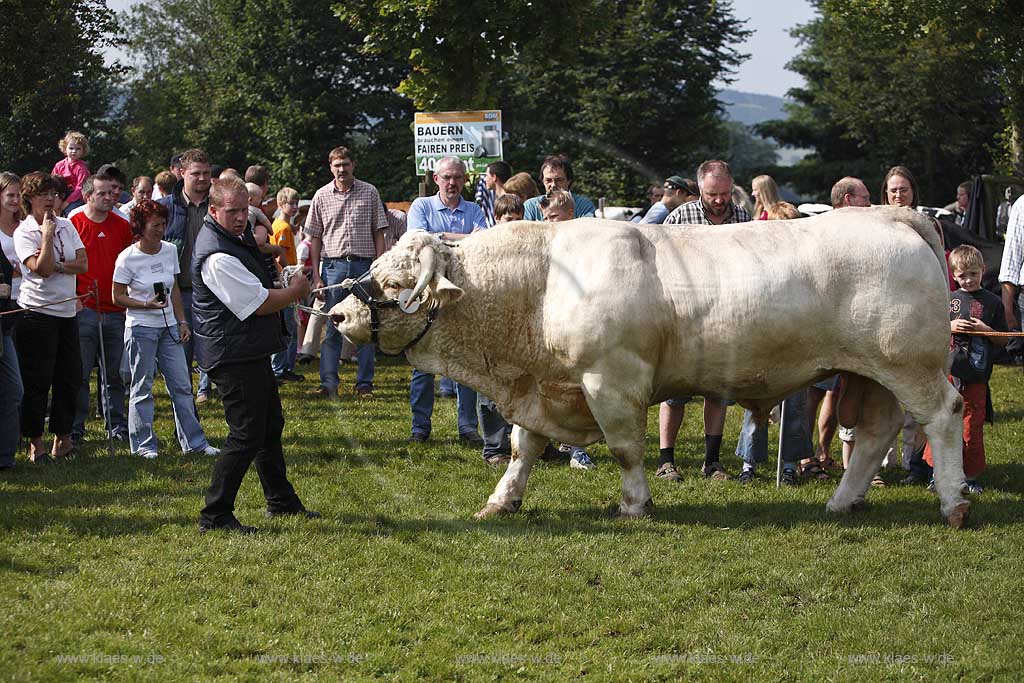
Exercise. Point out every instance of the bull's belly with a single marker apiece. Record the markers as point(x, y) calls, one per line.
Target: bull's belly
point(742, 383)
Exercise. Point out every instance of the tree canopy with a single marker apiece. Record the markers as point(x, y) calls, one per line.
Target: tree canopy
point(54, 80)
point(924, 85)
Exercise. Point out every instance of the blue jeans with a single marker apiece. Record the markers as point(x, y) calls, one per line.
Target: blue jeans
point(204, 379)
point(447, 386)
point(12, 390)
point(496, 431)
point(147, 346)
point(113, 346)
point(421, 399)
point(285, 361)
point(796, 440)
point(334, 271)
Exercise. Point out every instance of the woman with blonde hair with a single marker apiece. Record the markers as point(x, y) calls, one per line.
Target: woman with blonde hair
point(765, 194)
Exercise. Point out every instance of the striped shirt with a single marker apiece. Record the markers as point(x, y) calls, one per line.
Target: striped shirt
point(1013, 249)
point(692, 213)
point(485, 200)
point(346, 221)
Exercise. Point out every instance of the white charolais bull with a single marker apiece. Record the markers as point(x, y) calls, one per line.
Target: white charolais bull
point(575, 329)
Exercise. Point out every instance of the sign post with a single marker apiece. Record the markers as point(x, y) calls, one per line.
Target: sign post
point(473, 136)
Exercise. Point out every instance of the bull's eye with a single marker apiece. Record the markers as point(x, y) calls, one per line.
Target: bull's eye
point(392, 284)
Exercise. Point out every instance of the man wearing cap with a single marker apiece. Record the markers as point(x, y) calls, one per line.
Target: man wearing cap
point(677, 193)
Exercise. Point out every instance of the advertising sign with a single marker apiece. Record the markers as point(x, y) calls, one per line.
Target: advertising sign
point(473, 136)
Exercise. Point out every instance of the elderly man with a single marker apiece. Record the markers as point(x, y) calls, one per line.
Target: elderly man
point(676, 193)
point(105, 234)
point(448, 215)
point(345, 225)
point(556, 174)
point(237, 328)
point(714, 206)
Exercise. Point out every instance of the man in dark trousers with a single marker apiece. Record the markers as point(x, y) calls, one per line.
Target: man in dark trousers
point(237, 328)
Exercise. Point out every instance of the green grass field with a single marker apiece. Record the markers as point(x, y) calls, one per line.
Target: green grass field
point(104, 577)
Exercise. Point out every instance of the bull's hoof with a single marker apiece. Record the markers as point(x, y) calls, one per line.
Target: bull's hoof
point(958, 517)
point(837, 508)
point(633, 512)
point(494, 510)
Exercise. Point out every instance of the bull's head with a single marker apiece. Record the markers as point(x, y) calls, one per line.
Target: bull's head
point(412, 272)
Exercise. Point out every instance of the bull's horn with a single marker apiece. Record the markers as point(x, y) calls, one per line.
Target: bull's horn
point(427, 265)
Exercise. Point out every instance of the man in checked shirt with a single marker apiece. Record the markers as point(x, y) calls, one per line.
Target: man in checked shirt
point(345, 225)
point(713, 207)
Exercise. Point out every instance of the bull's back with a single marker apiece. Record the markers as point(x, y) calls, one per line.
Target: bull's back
point(755, 301)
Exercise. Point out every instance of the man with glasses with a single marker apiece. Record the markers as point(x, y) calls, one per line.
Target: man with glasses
point(345, 225)
point(677, 191)
point(556, 174)
point(448, 215)
point(105, 235)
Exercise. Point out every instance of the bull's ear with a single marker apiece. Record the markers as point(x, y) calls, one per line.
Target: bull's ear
point(443, 291)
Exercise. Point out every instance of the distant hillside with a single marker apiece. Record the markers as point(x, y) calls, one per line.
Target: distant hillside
point(749, 109)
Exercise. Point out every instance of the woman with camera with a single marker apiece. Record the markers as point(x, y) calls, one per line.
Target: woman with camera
point(145, 284)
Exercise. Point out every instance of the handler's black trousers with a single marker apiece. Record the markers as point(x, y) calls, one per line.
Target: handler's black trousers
point(252, 409)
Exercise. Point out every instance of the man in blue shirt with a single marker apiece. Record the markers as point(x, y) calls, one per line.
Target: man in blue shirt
point(556, 174)
point(449, 216)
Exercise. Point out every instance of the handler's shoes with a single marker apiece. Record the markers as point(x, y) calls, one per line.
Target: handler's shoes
point(580, 460)
point(668, 472)
point(714, 471)
point(234, 526)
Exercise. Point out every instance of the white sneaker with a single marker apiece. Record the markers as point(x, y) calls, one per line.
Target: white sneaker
point(148, 455)
point(580, 460)
point(211, 451)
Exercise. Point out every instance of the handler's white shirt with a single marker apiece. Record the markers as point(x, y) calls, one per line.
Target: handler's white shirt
point(37, 290)
point(233, 284)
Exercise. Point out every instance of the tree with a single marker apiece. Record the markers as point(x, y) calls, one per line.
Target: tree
point(917, 84)
point(276, 82)
point(54, 80)
point(623, 87)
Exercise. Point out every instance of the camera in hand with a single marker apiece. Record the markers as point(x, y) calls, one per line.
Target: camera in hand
point(161, 295)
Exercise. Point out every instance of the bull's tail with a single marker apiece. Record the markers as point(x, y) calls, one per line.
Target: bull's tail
point(930, 231)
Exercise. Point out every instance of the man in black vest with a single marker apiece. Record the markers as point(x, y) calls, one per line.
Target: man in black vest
point(236, 329)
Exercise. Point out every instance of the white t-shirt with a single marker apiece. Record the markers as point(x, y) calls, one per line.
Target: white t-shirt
point(233, 284)
point(139, 271)
point(7, 244)
point(35, 289)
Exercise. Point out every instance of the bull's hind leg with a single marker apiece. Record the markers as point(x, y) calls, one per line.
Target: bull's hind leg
point(508, 495)
point(623, 420)
point(880, 419)
point(939, 409)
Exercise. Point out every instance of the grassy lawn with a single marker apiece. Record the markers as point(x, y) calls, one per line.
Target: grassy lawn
point(104, 576)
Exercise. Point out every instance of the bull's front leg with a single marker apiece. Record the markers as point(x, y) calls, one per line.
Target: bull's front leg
point(508, 495)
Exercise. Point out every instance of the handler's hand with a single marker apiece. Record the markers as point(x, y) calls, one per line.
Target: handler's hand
point(299, 287)
point(317, 283)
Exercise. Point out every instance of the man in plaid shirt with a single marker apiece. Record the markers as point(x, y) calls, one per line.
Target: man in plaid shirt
point(714, 207)
point(345, 225)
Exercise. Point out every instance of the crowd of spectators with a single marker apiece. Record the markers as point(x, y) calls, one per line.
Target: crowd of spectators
point(103, 279)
